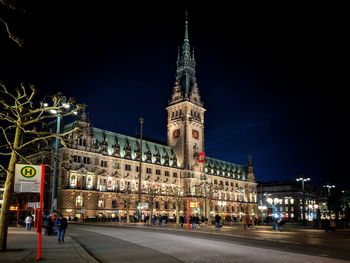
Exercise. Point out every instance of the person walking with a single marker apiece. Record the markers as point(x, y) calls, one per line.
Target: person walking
point(61, 225)
point(28, 222)
point(217, 221)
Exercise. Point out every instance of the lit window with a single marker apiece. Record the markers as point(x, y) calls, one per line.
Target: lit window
point(101, 202)
point(89, 183)
point(73, 181)
point(79, 201)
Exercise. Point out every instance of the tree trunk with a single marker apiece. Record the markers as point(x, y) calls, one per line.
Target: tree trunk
point(151, 215)
point(177, 213)
point(8, 192)
point(127, 214)
point(208, 211)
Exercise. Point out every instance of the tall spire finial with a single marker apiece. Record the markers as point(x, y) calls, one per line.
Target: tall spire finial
point(186, 25)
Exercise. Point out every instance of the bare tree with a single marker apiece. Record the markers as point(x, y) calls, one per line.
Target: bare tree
point(10, 13)
point(21, 127)
point(208, 191)
point(129, 197)
point(176, 194)
point(152, 195)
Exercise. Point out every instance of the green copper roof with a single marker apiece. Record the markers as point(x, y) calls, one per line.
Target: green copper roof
point(225, 169)
point(128, 147)
point(185, 71)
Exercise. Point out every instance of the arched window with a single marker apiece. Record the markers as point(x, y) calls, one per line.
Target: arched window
point(73, 181)
point(89, 183)
point(79, 201)
point(101, 202)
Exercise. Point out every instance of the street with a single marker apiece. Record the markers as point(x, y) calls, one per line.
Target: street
point(135, 244)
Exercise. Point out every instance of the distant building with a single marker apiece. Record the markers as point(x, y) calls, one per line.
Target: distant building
point(285, 199)
point(98, 168)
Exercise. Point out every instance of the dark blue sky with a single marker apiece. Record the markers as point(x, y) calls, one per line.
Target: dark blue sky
point(271, 77)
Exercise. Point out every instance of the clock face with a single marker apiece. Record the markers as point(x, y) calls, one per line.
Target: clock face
point(195, 134)
point(176, 134)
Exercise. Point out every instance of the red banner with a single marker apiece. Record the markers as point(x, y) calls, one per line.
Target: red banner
point(201, 157)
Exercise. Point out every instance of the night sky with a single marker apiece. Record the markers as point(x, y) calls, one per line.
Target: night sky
point(271, 77)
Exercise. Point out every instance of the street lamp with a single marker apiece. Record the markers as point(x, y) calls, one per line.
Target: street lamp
point(329, 188)
point(303, 180)
point(140, 169)
point(60, 106)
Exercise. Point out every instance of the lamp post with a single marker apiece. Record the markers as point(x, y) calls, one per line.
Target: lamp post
point(55, 165)
point(329, 188)
point(140, 169)
point(303, 180)
point(59, 107)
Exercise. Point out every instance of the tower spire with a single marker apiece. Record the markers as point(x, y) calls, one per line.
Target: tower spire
point(186, 49)
point(186, 26)
point(186, 72)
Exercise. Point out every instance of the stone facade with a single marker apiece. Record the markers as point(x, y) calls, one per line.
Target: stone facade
point(99, 170)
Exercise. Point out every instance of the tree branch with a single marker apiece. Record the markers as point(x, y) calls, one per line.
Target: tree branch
point(60, 136)
point(5, 117)
point(40, 118)
point(5, 136)
point(22, 157)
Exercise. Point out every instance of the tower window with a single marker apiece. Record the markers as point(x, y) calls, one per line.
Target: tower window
point(172, 115)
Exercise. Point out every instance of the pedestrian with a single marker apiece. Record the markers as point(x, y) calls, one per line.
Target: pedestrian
point(28, 222)
point(182, 221)
point(61, 225)
point(49, 225)
point(217, 221)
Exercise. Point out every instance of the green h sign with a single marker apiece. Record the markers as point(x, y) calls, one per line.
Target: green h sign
point(28, 171)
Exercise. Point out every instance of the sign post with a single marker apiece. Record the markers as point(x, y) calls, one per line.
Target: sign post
point(40, 213)
point(30, 178)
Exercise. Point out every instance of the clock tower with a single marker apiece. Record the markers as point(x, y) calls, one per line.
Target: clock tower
point(186, 115)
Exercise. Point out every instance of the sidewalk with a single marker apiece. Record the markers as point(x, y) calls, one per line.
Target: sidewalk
point(22, 247)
